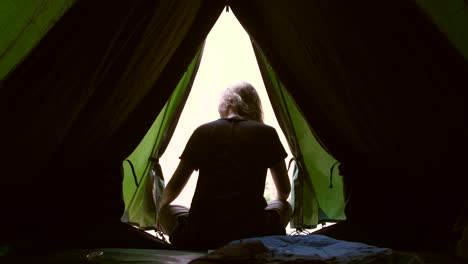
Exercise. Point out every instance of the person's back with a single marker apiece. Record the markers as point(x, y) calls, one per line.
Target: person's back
point(233, 156)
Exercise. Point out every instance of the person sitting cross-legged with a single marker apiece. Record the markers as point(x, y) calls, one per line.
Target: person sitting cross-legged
point(233, 155)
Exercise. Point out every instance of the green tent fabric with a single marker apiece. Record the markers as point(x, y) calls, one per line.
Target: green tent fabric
point(144, 175)
point(380, 86)
point(451, 17)
point(24, 23)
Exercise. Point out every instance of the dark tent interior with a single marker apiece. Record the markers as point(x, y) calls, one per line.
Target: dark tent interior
point(381, 85)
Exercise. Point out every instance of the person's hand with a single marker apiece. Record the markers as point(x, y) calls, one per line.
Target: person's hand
point(158, 225)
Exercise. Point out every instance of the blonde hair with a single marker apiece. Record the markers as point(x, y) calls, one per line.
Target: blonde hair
point(243, 100)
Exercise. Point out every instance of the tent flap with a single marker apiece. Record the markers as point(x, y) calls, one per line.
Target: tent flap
point(80, 103)
point(141, 200)
point(380, 87)
point(311, 184)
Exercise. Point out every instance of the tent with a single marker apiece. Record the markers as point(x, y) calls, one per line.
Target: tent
point(379, 88)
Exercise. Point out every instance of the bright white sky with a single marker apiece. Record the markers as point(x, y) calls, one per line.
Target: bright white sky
point(228, 57)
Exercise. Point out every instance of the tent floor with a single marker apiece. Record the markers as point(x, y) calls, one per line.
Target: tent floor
point(159, 256)
point(110, 256)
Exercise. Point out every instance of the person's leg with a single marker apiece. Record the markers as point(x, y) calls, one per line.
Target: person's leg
point(168, 217)
point(283, 208)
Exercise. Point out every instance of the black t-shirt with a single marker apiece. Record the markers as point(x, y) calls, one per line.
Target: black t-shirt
point(232, 156)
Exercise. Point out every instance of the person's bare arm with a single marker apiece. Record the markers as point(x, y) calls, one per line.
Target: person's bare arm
point(177, 183)
point(280, 177)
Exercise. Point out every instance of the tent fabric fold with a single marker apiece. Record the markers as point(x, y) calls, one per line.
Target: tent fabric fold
point(23, 25)
point(451, 17)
